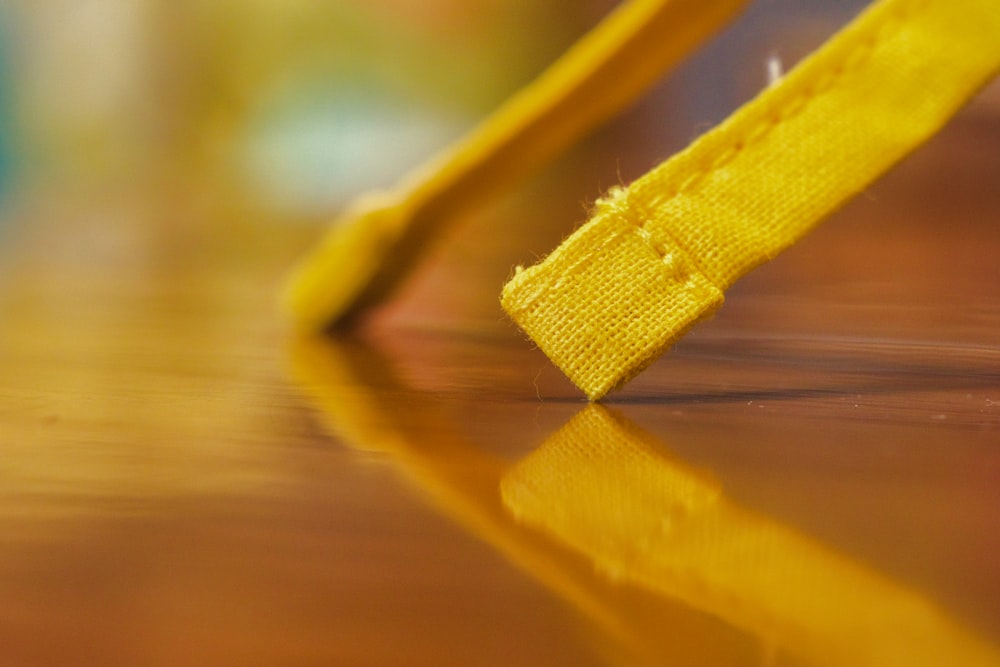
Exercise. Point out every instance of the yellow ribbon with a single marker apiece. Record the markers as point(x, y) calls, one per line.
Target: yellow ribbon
point(655, 257)
point(374, 244)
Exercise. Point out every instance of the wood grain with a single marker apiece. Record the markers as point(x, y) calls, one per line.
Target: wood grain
point(183, 483)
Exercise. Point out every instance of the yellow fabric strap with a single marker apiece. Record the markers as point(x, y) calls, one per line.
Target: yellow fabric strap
point(371, 248)
point(655, 257)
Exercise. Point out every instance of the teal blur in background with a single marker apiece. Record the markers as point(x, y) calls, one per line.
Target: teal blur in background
point(290, 109)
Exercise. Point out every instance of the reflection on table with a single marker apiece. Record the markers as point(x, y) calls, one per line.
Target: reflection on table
point(602, 490)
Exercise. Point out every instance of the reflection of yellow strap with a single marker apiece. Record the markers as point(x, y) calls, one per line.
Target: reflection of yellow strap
point(611, 492)
point(655, 257)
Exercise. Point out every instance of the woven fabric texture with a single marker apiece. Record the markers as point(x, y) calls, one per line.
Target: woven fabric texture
point(655, 257)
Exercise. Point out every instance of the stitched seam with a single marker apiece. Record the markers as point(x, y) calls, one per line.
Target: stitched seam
point(825, 82)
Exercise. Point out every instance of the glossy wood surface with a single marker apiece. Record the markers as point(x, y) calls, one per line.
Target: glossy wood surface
point(811, 478)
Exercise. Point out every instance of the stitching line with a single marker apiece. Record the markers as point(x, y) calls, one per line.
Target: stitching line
point(823, 83)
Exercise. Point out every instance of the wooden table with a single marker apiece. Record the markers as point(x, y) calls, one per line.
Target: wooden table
point(813, 477)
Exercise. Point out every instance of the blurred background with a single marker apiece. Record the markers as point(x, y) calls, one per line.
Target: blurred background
point(246, 125)
point(285, 110)
point(304, 103)
point(260, 111)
